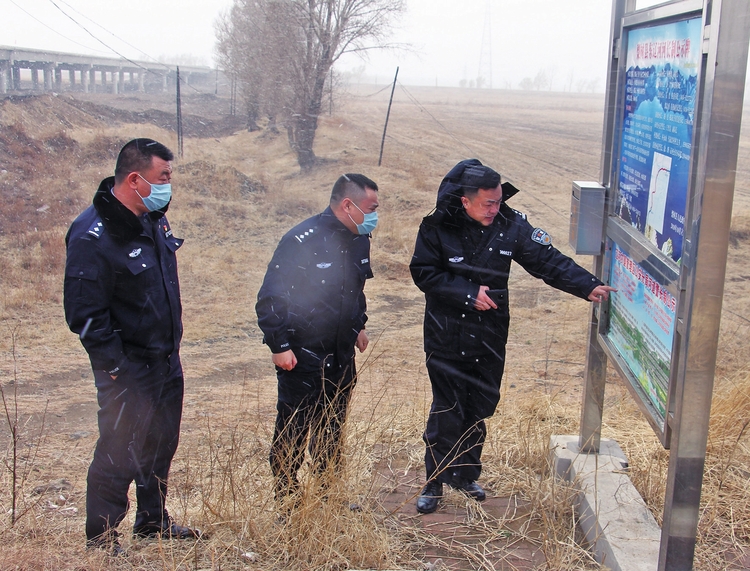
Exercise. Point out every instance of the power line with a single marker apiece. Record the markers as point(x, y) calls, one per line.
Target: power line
point(113, 50)
point(113, 34)
point(110, 48)
point(472, 153)
point(30, 15)
point(423, 108)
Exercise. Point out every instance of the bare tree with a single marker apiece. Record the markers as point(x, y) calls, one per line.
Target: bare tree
point(551, 73)
point(527, 84)
point(285, 50)
point(246, 49)
point(541, 81)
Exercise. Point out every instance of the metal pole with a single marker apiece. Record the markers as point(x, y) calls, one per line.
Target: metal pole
point(726, 33)
point(179, 115)
point(387, 115)
point(595, 375)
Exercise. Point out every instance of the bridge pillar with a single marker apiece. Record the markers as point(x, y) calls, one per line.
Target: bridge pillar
point(92, 79)
point(48, 69)
point(141, 82)
point(164, 83)
point(58, 78)
point(16, 78)
point(34, 79)
point(121, 82)
point(72, 77)
point(85, 78)
point(4, 76)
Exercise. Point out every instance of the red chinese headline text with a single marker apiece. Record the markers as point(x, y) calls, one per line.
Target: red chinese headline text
point(667, 49)
point(651, 284)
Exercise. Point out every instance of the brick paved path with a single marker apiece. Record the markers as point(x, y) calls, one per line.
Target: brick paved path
point(462, 534)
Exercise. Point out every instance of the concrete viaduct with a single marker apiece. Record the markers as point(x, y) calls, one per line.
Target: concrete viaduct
point(20, 67)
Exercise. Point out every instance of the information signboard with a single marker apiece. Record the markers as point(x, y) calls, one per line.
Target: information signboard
point(674, 104)
point(662, 65)
point(641, 327)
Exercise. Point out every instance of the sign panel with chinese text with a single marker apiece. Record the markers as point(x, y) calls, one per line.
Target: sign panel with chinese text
point(641, 326)
point(661, 75)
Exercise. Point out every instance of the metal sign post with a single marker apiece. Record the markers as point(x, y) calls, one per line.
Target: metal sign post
point(669, 154)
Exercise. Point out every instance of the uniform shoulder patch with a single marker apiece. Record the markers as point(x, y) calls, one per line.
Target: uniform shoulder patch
point(304, 235)
point(96, 228)
point(521, 214)
point(541, 237)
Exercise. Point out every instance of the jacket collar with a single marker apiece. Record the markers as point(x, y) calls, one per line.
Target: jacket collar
point(122, 224)
point(448, 206)
point(328, 218)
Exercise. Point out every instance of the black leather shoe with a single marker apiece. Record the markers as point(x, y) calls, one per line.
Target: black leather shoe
point(468, 487)
point(428, 499)
point(111, 545)
point(172, 531)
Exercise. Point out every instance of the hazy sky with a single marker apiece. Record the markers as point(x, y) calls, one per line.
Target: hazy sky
point(565, 38)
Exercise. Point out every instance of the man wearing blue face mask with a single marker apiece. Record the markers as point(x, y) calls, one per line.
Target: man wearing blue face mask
point(122, 297)
point(312, 311)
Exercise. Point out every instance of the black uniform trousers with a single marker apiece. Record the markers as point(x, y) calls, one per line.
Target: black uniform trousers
point(139, 427)
point(464, 393)
point(311, 408)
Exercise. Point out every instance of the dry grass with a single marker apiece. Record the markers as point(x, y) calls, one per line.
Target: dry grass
point(235, 197)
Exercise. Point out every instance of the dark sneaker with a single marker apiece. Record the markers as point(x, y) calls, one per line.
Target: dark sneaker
point(428, 499)
point(468, 487)
point(171, 531)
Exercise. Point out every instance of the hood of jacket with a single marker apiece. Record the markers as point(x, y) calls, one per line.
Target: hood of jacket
point(122, 224)
point(448, 203)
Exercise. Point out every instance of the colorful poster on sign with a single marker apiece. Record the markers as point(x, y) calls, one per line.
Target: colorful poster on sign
point(657, 131)
point(641, 326)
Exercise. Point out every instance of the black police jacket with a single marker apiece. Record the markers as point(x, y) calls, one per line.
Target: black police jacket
point(312, 299)
point(121, 292)
point(454, 255)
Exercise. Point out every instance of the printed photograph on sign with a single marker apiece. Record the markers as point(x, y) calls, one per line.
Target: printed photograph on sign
point(641, 327)
point(657, 201)
point(657, 131)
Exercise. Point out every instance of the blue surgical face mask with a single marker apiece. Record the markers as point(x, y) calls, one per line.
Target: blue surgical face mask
point(368, 224)
point(160, 196)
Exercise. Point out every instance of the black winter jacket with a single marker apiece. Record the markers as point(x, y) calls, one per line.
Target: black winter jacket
point(454, 255)
point(312, 299)
point(121, 292)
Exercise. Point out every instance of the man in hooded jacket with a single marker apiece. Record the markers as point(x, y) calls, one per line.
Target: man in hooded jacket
point(461, 262)
point(122, 297)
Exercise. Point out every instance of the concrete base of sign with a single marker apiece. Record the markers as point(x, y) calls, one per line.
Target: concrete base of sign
point(611, 513)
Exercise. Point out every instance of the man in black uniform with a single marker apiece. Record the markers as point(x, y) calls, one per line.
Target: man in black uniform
point(462, 262)
point(122, 298)
point(311, 309)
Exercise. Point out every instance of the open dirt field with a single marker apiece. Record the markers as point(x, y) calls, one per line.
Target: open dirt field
point(236, 194)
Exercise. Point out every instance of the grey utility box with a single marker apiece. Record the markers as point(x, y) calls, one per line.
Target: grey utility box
point(587, 217)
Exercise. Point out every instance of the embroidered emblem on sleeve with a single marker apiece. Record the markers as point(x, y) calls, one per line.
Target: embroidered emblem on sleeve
point(541, 237)
point(456, 259)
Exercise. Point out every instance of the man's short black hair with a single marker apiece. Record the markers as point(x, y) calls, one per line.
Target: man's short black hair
point(476, 177)
point(137, 155)
point(351, 185)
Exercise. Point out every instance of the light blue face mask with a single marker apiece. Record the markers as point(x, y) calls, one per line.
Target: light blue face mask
point(160, 196)
point(368, 224)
